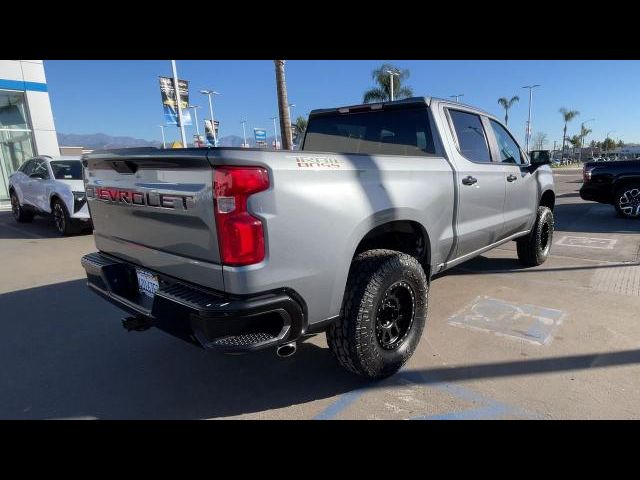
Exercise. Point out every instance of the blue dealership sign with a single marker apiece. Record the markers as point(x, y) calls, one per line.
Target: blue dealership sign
point(260, 135)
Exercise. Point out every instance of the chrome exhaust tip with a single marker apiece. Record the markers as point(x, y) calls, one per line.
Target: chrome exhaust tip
point(286, 350)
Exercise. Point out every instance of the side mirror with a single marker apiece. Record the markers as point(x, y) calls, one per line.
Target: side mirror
point(539, 158)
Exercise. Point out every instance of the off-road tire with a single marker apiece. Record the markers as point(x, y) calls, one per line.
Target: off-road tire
point(355, 338)
point(628, 195)
point(533, 250)
point(19, 213)
point(62, 220)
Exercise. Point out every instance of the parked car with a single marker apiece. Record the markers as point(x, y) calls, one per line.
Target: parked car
point(614, 183)
point(51, 186)
point(242, 249)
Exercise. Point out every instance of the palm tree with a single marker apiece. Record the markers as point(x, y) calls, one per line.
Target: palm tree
point(507, 104)
point(301, 127)
point(567, 116)
point(575, 141)
point(583, 133)
point(382, 93)
point(283, 106)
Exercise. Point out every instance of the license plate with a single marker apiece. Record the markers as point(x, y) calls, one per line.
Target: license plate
point(147, 283)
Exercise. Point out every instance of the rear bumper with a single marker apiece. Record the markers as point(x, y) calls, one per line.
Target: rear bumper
point(200, 316)
point(595, 194)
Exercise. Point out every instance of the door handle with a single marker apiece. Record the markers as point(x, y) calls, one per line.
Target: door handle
point(512, 178)
point(469, 180)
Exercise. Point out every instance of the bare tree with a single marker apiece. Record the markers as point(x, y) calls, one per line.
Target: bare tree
point(283, 106)
point(539, 140)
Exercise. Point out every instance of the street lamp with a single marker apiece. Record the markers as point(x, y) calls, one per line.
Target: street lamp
point(244, 133)
point(275, 129)
point(195, 115)
point(209, 93)
point(164, 143)
point(528, 135)
point(391, 75)
point(457, 97)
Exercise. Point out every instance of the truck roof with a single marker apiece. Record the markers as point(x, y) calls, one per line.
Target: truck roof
point(405, 101)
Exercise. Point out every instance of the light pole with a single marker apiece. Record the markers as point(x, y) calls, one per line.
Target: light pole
point(530, 87)
point(209, 93)
point(195, 115)
point(457, 97)
point(244, 133)
point(164, 143)
point(176, 87)
point(291, 105)
point(275, 129)
point(582, 138)
point(391, 75)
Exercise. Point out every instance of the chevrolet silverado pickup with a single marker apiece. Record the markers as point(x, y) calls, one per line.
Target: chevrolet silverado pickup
point(616, 183)
point(238, 249)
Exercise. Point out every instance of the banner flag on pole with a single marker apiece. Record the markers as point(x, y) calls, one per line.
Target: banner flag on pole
point(167, 92)
point(209, 131)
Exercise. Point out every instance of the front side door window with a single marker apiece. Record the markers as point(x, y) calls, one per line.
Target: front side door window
point(507, 147)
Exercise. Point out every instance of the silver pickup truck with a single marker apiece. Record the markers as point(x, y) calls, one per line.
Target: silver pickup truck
point(236, 249)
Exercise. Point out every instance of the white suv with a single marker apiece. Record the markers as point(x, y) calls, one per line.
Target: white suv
point(51, 186)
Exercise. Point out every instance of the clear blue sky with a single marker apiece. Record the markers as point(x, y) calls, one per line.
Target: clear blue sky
point(123, 97)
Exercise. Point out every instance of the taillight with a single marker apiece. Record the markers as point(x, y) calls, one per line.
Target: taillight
point(240, 234)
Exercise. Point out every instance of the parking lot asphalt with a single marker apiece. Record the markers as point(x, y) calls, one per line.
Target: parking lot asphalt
point(561, 340)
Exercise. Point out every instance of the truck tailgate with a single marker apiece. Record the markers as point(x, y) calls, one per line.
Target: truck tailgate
point(154, 208)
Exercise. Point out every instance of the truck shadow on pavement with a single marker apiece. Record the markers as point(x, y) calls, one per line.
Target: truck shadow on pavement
point(488, 265)
point(65, 355)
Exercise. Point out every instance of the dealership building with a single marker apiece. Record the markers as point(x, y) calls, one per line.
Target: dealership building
point(26, 120)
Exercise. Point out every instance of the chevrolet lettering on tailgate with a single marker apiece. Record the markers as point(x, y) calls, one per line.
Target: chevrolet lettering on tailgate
point(131, 197)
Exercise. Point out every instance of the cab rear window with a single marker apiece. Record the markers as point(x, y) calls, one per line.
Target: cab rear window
point(399, 131)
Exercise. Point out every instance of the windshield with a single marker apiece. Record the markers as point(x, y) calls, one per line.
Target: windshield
point(67, 169)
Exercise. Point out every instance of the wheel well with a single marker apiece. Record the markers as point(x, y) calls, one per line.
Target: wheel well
point(548, 200)
point(402, 235)
point(625, 182)
point(53, 198)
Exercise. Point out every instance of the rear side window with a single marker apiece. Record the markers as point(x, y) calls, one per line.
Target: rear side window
point(471, 136)
point(402, 131)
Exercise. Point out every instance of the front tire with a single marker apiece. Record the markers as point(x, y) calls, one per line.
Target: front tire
point(19, 213)
point(383, 314)
point(62, 219)
point(533, 250)
point(627, 201)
